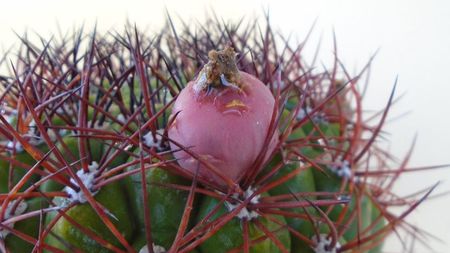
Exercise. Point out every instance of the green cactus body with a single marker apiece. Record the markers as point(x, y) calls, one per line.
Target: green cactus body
point(112, 197)
point(141, 241)
point(362, 219)
point(328, 181)
point(18, 171)
point(166, 205)
point(95, 147)
point(29, 226)
point(380, 223)
point(302, 182)
point(120, 159)
point(230, 236)
point(72, 154)
point(51, 186)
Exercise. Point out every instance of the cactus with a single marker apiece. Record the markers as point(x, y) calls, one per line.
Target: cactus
point(124, 147)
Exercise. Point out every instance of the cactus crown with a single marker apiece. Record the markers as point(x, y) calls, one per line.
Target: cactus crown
point(88, 99)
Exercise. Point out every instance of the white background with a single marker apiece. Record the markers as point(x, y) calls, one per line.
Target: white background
point(414, 41)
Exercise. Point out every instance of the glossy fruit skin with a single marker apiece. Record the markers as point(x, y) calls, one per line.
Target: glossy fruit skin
point(112, 197)
point(29, 226)
point(166, 205)
point(226, 127)
point(230, 236)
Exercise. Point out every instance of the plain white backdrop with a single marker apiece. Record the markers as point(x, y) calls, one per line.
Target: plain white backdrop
point(413, 38)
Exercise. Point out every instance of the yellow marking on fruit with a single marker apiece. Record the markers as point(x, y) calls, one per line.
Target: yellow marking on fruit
point(235, 103)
